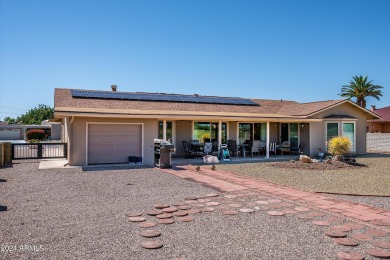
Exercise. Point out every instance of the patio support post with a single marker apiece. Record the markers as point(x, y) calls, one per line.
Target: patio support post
point(164, 129)
point(267, 142)
point(219, 133)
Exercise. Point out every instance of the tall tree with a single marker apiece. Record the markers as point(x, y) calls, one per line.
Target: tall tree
point(360, 88)
point(36, 115)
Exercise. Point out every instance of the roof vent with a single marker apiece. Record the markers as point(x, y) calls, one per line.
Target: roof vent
point(114, 87)
point(373, 108)
point(196, 95)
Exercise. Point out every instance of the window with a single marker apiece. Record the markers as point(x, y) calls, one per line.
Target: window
point(169, 131)
point(252, 131)
point(208, 132)
point(349, 131)
point(332, 130)
point(346, 129)
point(294, 134)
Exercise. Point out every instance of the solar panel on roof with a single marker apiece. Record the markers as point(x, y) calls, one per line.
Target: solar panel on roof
point(162, 97)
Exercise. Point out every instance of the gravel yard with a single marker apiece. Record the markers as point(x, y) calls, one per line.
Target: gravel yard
point(371, 179)
point(68, 213)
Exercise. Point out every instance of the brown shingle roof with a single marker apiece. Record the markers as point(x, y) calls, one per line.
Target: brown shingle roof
point(63, 101)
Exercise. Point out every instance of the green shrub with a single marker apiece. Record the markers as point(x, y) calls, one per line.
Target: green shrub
point(38, 134)
point(339, 145)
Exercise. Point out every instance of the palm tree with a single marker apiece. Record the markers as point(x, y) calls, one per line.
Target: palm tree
point(360, 88)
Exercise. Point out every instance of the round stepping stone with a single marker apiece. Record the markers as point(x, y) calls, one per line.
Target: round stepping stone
point(147, 224)
point(181, 213)
point(230, 212)
point(289, 211)
point(275, 213)
point(335, 233)
point(151, 244)
point(184, 207)
point(251, 204)
point(212, 195)
point(381, 244)
point(164, 215)
point(230, 196)
point(342, 228)
point(178, 204)
point(166, 221)
point(169, 210)
point(234, 205)
point(262, 202)
point(161, 206)
point(346, 242)
point(186, 219)
point(350, 256)
point(380, 253)
point(274, 201)
point(321, 223)
point(134, 214)
point(150, 233)
point(207, 209)
point(213, 203)
point(154, 212)
point(198, 205)
point(362, 237)
point(204, 200)
point(353, 225)
point(137, 219)
point(380, 222)
point(247, 210)
point(194, 211)
point(302, 209)
point(376, 233)
point(191, 198)
point(191, 201)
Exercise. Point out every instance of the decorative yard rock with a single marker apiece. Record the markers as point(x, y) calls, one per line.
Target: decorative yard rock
point(134, 214)
point(191, 198)
point(151, 244)
point(302, 209)
point(194, 211)
point(247, 210)
point(230, 196)
point(184, 207)
point(275, 213)
point(186, 219)
point(342, 228)
point(353, 225)
point(234, 205)
point(305, 159)
point(180, 213)
point(362, 237)
point(212, 195)
point(213, 203)
point(230, 212)
point(207, 209)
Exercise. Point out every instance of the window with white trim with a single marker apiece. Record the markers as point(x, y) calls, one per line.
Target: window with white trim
point(342, 128)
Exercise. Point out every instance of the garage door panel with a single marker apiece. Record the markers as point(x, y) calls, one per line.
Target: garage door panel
point(113, 143)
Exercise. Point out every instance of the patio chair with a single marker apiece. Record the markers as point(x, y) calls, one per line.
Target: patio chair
point(190, 153)
point(262, 147)
point(246, 147)
point(297, 151)
point(255, 147)
point(208, 148)
point(284, 147)
point(232, 147)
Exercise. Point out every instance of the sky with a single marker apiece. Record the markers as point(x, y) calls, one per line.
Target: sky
point(291, 50)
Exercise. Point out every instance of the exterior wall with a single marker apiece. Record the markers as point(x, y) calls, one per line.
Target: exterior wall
point(318, 134)
point(183, 133)
point(233, 131)
point(386, 128)
point(375, 127)
point(304, 134)
point(378, 142)
point(78, 141)
point(274, 135)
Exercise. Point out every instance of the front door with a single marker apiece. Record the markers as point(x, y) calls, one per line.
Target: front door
point(284, 133)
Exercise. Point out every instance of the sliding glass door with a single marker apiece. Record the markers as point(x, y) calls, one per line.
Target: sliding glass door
point(208, 132)
point(251, 131)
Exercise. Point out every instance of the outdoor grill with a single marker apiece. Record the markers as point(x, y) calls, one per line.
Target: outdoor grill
point(162, 153)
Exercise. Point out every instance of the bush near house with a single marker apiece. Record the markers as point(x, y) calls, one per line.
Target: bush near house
point(339, 145)
point(37, 134)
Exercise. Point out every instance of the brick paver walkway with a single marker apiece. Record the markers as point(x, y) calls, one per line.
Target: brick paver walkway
point(229, 182)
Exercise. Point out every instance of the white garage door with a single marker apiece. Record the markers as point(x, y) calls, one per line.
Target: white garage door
point(113, 143)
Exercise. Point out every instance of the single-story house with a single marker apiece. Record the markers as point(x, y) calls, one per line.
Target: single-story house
point(379, 125)
point(110, 126)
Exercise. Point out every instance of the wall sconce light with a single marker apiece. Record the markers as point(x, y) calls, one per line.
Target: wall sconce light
point(302, 125)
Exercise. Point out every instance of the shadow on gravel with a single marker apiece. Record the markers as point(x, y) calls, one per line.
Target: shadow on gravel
point(374, 155)
point(3, 180)
point(3, 208)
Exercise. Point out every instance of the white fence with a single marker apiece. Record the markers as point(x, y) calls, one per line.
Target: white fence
point(378, 142)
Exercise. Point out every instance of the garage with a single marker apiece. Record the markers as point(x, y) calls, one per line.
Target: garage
point(113, 143)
